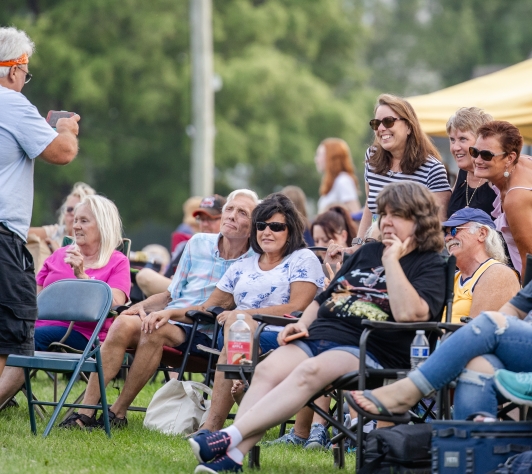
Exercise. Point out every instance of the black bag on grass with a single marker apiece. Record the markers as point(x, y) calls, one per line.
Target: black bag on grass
point(398, 449)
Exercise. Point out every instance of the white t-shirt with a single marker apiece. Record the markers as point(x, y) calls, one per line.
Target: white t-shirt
point(343, 190)
point(254, 288)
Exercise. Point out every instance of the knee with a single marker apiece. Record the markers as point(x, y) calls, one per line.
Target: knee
point(123, 328)
point(481, 365)
point(144, 277)
point(498, 318)
point(307, 374)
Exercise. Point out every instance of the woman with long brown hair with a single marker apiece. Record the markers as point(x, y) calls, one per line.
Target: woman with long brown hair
point(339, 184)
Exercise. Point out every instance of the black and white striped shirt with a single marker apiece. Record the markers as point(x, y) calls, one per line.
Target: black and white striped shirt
point(431, 174)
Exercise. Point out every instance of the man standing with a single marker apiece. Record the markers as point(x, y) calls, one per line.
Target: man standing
point(24, 135)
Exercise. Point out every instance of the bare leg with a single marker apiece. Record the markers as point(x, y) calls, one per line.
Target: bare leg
point(151, 282)
point(281, 399)
point(147, 359)
point(11, 381)
point(3, 359)
point(222, 400)
point(124, 333)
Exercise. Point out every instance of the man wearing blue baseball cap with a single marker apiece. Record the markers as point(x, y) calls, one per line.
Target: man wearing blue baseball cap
point(483, 281)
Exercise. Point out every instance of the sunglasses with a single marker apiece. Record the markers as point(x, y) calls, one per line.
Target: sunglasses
point(69, 210)
point(28, 75)
point(388, 122)
point(274, 226)
point(486, 155)
point(453, 231)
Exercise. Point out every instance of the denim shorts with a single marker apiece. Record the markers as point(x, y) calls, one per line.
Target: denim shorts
point(199, 338)
point(268, 341)
point(315, 347)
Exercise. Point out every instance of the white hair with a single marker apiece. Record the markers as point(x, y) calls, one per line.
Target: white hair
point(109, 224)
point(79, 190)
point(13, 44)
point(493, 244)
point(242, 192)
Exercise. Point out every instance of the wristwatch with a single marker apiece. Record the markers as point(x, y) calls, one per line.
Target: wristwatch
point(357, 241)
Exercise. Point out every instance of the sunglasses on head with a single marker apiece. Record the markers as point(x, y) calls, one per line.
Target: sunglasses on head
point(274, 226)
point(388, 122)
point(486, 155)
point(452, 230)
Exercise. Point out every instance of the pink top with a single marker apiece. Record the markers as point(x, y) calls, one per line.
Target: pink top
point(115, 274)
point(501, 224)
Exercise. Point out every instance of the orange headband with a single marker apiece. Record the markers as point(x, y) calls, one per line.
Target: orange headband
point(15, 62)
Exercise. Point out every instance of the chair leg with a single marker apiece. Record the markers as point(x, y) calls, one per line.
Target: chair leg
point(33, 424)
point(254, 458)
point(103, 395)
point(338, 450)
point(282, 429)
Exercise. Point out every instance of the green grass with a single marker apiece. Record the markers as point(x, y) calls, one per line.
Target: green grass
point(131, 450)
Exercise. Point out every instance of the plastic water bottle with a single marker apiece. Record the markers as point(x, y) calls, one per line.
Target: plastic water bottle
point(239, 343)
point(419, 349)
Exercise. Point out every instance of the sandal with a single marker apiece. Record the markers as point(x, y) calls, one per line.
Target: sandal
point(383, 414)
point(71, 422)
point(114, 421)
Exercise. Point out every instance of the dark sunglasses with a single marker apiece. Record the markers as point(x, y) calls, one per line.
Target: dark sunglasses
point(452, 230)
point(69, 210)
point(486, 155)
point(274, 226)
point(388, 122)
point(28, 75)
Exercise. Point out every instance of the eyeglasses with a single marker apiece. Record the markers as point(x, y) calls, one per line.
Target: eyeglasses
point(388, 122)
point(274, 226)
point(452, 230)
point(28, 75)
point(486, 155)
point(69, 210)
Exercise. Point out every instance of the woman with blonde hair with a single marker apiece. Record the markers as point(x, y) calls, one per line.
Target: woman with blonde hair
point(401, 151)
point(339, 184)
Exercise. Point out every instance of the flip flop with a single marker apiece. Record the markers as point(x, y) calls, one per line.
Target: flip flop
point(384, 414)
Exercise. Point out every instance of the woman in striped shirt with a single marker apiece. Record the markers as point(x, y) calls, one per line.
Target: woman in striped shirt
point(400, 152)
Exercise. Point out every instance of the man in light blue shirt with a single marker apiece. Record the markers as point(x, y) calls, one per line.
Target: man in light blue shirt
point(24, 135)
point(205, 260)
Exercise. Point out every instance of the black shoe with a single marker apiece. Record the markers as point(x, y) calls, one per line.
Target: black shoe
point(114, 421)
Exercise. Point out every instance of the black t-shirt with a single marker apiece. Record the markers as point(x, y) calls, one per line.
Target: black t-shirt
point(482, 198)
point(359, 292)
point(523, 299)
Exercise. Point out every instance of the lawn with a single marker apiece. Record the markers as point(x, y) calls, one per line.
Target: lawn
point(131, 450)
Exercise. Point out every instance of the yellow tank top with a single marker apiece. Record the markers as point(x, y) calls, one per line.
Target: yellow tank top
point(463, 290)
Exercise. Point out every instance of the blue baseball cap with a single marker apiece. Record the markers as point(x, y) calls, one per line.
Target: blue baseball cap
point(469, 214)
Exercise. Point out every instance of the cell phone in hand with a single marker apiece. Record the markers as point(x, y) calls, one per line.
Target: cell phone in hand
point(292, 337)
point(54, 115)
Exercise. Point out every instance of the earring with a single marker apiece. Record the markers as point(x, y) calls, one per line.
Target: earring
point(506, 174)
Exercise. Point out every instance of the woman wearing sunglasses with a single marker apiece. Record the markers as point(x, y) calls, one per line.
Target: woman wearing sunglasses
point(283, 276)
point(399, 279)
point(400, 152)
point(496, 157)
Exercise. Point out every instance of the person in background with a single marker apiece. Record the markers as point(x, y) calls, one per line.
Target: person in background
point(339, 183)
point(53, 234)
point(298, 197)
point(497, 158)
point(188, 226)
point(401, 151)
point(208, 217)
point(482, 282)
point(468, 190)
point(24, 136)
point(336, 225)
point(98, 231)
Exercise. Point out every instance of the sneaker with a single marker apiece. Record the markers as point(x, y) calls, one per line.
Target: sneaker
point(220, 464)
point(516, 387)
point(207, 447)
point(288, 438)
point(319, 438)
point(114, 421)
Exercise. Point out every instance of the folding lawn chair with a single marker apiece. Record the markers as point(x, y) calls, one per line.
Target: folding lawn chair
point(69, 300)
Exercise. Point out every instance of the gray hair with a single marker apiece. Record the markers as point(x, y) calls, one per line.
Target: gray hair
point(493, 244)
point(79, 190)
point(242, 192)
point(13, 44)
point(109, 224)
point(468, 119)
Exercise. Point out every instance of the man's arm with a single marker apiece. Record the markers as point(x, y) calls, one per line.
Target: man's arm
point(63, 148)
point(511, 310)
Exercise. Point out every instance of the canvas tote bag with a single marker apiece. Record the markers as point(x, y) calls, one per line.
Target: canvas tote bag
point(178, 407)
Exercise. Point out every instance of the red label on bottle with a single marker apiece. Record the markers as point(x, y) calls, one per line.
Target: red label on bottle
point(237, 351)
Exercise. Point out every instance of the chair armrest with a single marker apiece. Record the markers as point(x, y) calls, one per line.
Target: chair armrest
point(387, 325)
point(274, 320)
point(215, 310)
point(450, 326)
point(201, 316)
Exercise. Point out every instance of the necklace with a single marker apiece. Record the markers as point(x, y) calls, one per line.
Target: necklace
point(468, 201)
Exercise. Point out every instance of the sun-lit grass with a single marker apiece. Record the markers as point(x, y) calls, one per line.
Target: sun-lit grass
point(132, 450)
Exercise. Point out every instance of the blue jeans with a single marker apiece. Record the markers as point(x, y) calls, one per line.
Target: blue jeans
point(268, 341)
point(45, 335)
point(509, 347)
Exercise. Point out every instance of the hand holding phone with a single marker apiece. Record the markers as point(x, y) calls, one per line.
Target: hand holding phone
point(292, 337)
point(54, 115)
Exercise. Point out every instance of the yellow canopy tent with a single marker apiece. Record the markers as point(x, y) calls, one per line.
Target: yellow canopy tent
point(505, 94)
